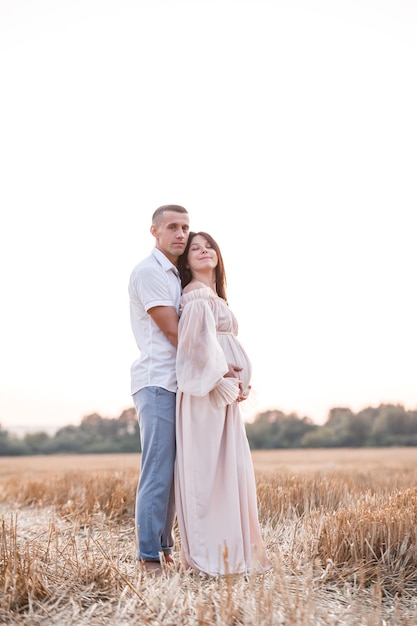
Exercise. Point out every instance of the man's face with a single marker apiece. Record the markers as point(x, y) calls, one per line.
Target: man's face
point(172, 234)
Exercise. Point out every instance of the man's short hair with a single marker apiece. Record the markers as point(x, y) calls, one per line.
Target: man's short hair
point(158, 215)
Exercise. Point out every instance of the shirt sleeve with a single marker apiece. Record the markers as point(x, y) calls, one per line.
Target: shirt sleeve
point(152, 289)
point(201, 363)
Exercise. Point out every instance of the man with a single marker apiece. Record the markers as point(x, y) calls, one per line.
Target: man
point(154, 292)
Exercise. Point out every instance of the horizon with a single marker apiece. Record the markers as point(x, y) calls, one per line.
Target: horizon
point(51, 430)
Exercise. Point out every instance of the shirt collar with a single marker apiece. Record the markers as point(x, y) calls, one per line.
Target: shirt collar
point(164, 262)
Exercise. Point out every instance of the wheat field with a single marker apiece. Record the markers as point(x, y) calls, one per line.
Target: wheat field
point(339, 526)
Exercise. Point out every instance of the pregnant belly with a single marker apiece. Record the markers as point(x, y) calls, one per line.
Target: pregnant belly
point(246, 373)
point(236, 355)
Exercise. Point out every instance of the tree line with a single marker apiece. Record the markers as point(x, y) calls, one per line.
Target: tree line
point(385, 425)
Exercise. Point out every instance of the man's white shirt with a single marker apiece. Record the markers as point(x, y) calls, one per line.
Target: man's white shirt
point(153, 282)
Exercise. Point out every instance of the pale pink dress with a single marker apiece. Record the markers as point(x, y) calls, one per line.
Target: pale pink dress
point(214, 479)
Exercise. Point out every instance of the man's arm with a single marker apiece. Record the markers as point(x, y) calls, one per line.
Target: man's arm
point(166, 318)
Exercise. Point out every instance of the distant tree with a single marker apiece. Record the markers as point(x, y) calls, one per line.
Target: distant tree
point(68, 439)
point(128, 431)
point(393, 425)
point(128, 422)
point(386, 425)
point(274, 429)
point(36, 443)
point(11, 445)
point(322, 437)
point(345, 428)
point(365, 424)
point(4, 435)
point(97, 435)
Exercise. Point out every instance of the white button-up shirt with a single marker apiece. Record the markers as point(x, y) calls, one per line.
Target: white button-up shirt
point(153, 282)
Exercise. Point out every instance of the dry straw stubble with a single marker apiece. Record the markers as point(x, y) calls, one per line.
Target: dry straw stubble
point(341, 538)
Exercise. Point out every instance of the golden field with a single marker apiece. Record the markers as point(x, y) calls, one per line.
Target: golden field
point(339, 526)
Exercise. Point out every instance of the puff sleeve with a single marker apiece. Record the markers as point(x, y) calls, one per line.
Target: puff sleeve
point(201, 363)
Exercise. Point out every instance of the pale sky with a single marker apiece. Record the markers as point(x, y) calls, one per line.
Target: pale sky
point(288, 129)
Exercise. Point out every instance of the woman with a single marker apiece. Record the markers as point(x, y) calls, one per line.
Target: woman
point(215, 486)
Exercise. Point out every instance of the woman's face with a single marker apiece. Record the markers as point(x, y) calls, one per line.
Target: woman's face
point(201, 256)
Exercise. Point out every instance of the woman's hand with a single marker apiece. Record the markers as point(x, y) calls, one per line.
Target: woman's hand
point(233, 371)
point(243, 393)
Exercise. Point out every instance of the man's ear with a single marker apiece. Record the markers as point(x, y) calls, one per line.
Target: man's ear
point(153, 230)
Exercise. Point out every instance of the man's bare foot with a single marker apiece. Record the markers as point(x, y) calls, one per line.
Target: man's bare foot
point(173, 566)
point(168, 559)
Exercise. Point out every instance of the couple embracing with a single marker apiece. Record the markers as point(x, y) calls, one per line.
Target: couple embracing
point(186, 385)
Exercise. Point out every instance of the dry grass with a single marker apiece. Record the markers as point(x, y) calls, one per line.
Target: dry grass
point(340, 527)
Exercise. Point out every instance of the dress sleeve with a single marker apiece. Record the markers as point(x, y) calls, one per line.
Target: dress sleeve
point(201, 363)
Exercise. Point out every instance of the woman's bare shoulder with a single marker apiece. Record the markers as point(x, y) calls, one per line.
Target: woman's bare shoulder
point(194, 284)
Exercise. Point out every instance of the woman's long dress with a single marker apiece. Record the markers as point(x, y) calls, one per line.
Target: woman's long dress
point(215, 486)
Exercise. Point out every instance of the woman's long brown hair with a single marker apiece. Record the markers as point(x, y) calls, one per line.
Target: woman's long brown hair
point(185, 272)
